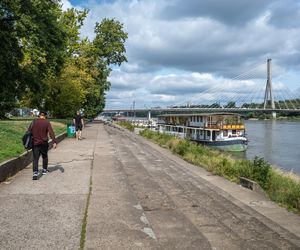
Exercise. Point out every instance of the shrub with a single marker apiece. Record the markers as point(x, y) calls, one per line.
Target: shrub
point(261, 172)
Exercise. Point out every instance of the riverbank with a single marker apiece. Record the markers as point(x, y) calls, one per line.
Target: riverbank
point(11, 132)
point(281, 188)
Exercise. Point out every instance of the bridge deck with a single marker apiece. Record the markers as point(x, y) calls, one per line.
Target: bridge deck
point(142, 197)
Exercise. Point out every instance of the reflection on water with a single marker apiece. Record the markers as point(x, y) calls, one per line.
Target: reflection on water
point(276, 141)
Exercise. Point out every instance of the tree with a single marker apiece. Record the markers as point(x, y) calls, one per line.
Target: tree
point(109, 42)
point(107, 48)
point(44, 62)
point(10, 55)
point(32, 48)
point(44, 40)
point(230, 105)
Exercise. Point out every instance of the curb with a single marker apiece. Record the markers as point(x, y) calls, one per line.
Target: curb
point(13, 166)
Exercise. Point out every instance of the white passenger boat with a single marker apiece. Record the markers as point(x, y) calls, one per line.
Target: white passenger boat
point(224, 131)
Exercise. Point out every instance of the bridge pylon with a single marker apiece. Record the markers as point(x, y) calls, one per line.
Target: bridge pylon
point(268, 91)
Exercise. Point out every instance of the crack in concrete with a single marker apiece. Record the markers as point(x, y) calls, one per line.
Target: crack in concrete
point(73, 160)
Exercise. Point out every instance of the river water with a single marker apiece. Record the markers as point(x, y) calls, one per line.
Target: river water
point(278, 142)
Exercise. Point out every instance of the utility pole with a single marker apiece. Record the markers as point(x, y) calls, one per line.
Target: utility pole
point(133, 107)
point(268, 91)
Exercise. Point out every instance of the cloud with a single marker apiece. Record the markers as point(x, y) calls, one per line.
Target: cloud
point(232, 12)
point(286, 14)
point(178, 89)
point(174, 45)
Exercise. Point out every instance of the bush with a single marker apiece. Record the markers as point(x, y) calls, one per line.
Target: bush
point(261, 172)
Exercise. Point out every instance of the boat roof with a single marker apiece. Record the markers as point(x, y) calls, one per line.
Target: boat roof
point(199, 114)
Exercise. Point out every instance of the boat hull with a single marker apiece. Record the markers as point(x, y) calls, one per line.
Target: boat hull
point(237, 145)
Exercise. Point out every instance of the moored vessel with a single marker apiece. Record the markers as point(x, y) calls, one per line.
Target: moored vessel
point(224, 131)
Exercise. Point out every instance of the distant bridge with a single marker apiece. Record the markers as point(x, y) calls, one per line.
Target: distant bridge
point(238, 110)
point(201, 110)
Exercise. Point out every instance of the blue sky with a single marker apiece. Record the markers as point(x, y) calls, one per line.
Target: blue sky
point(179, 49)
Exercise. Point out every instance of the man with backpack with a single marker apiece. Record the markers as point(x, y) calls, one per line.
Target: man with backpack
point(40, 128)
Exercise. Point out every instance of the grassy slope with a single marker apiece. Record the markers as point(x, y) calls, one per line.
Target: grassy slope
point(11, 133)
point(281, 187)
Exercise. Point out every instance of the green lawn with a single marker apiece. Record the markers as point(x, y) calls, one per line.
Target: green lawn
point(11, 132)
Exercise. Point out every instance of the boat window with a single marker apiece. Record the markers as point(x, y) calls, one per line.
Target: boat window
point(201, 119)
point(225, 133)
point(208, 132)
point(233, 132)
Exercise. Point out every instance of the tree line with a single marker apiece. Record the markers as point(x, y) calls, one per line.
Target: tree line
point(45, 64)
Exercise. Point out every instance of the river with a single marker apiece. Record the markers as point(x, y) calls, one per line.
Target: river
point(276, 141)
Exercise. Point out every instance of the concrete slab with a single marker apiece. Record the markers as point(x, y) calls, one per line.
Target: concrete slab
point(115, 218)
point(48, 213)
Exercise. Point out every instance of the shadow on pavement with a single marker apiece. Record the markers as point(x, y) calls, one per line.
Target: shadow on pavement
point(52, 169)
point(55, 168)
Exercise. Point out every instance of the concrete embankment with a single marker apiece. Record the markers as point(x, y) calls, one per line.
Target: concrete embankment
point(141, 197)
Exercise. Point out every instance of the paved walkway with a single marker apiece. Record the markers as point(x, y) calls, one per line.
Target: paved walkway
point(141, 197)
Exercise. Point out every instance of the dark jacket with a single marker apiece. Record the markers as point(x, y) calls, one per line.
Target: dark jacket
point(40, 129)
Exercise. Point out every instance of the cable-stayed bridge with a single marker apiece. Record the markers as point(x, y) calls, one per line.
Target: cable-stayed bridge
point(240, 94)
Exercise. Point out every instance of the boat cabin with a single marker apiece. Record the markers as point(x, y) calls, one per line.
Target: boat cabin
point(202, 127)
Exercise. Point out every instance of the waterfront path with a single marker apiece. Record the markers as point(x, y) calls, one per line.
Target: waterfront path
point(139, 196)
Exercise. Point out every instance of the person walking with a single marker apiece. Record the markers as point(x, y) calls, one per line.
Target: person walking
point(79, 124)
point(40, 128)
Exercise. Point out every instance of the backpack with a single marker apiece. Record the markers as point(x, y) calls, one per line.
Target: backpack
point(27, 138)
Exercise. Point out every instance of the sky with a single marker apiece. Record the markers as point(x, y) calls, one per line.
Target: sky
point(200, 51)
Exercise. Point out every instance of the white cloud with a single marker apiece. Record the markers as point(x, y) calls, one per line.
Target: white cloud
point(198, 47)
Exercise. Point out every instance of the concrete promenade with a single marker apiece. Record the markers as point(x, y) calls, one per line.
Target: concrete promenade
point(140, 197)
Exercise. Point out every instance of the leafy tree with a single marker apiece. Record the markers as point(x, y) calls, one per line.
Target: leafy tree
point(215, 105)
point(230, 105)
point(107, 48)
point(32, 48)
point(44, 40)
point(109, 42)
point(43, 55)
point(10, 55)
point(66, 92)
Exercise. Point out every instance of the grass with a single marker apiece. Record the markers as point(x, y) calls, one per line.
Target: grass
point(281, 187)
point(11, 132)
point(126, 125)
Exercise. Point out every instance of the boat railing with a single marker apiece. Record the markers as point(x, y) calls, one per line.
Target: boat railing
point(225, 126)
